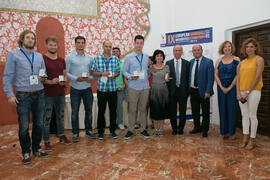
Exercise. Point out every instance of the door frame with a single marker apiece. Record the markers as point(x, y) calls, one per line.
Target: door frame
point(229, 32)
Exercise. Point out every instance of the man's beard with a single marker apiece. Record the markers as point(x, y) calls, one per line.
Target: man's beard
point(28, 47)
point(52, 52)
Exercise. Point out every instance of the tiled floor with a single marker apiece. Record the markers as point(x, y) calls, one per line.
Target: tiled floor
point(167, 157)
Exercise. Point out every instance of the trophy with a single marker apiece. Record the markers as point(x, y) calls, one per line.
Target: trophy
point(84, 75)
point(61, 79)
point(42, 74)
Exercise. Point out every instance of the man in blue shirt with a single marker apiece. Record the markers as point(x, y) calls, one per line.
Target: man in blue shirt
point(22, 70)
point(78, 72)
point(106, 68)
point(136, 71)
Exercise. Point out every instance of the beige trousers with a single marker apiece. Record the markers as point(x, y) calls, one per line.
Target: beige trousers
point(138, 100)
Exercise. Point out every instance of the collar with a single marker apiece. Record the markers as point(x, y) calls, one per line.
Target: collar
point(76, 53)
point(180, 59)
point(27, 51)
point(199, 58)
point(103, 57)
point(134, 54)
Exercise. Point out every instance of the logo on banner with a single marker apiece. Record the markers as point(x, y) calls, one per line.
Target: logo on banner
point(197, 36)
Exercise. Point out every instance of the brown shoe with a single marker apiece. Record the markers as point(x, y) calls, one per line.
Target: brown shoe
point(251, 144)
point(63, 139)
point(245, 141)
point(48, 147)
point(232, 137)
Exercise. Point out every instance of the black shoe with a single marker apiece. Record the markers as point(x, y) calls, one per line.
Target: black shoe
point(89, 134)
point(128, 135)
point(101, 136)
point(194, 131)
point(180, 132)
point(40, 153)
point(204, 134)
point(174, 133)
point(113, 135)
point(75, 138)
point(26, 158)
point(145, 134)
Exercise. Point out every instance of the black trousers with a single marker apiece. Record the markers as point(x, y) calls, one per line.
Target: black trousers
point(103, 98)
point(182, 102)
point(196, 103)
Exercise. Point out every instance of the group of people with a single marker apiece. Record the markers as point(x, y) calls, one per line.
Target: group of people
point(239, 81)
point(40, 82)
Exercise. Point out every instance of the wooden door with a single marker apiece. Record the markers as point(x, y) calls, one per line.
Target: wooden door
point(262, 34)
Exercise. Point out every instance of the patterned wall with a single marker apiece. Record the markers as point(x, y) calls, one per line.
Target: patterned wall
point(119, 21)
point(70, 7)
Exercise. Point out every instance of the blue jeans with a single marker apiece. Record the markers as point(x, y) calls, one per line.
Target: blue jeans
point(119, 111)
point(58, 102)
point(36, 104)
point(75, 96)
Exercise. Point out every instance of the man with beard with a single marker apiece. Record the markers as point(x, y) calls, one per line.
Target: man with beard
point(22, 70)
point(78, 68)
point(54, 92)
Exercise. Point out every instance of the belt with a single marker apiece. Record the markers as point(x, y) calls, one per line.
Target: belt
point(33, 92)
point(195, 89)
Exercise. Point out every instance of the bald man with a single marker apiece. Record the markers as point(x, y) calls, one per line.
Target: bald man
point(178, 89)
point(106, 68)
point(201, 88)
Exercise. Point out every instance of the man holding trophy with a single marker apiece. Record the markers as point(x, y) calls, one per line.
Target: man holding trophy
point(22, 70)
point(78, 72)
point(54, 88)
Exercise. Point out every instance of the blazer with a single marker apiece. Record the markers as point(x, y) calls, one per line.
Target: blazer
point(184, 81)
point(205, 76)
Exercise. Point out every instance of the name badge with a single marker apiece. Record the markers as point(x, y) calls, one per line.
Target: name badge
point(104, 79)
point(141, 74)
point(33, 79)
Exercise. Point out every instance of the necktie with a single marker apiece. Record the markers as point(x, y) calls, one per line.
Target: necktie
point(177, 74)
point(196, 73)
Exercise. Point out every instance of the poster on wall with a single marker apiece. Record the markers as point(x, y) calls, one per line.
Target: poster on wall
point(187, 39)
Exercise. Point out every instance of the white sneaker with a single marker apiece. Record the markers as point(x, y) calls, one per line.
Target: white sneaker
point(121, 126)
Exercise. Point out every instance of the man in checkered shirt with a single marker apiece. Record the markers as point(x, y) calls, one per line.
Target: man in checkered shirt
point(106, 68)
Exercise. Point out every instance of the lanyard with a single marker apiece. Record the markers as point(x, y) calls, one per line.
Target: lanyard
point(31, 62)
point(140, 61)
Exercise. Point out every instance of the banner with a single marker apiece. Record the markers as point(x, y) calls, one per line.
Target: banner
point(187, 39)
point(197, 36)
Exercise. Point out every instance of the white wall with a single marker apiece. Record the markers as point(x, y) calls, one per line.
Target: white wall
point(181, 15)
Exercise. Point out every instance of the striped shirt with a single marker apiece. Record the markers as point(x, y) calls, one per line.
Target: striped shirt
point(102, 64)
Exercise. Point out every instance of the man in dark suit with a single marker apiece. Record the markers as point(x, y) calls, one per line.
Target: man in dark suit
point(201, 88)
point(178, 89)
